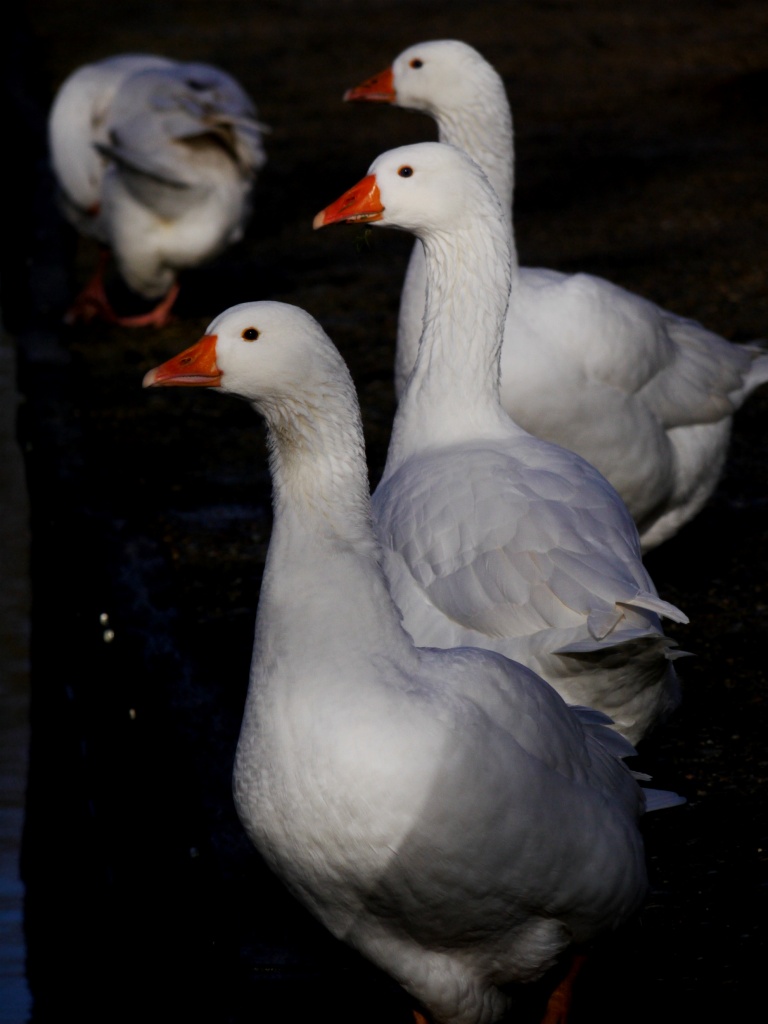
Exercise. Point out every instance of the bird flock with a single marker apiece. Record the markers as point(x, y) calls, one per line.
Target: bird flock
point(448, 674)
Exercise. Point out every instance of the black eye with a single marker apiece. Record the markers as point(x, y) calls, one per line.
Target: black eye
point(405, 171)
point(250, 334)
point(416, 63)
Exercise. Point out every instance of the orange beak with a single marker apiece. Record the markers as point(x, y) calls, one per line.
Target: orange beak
point(195, 367)
point(378, 89)
point(360, 204)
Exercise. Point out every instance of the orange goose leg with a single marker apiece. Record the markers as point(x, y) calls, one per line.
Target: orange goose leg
point(92, 302)
point(559, 1004)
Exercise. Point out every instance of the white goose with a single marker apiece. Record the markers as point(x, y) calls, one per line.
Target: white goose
point(493, 537)
point(157, 160)
point(443, 812)
point(646, 396)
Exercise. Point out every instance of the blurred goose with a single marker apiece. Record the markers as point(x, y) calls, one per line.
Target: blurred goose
point(492, 537)
point(646, 396)
point(443, 812)
point(157, 160)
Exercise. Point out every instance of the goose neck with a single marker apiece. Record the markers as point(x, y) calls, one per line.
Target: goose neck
point(322, 582)
point(484, 130)
point(317, 459)
point(453, 389)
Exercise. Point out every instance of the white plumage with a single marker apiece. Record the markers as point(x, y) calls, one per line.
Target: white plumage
point(646, 396)
point(157, 160)
point(443, 812)
point(493, 537)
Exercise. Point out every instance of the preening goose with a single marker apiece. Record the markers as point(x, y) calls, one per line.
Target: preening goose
point(443, 812)
point(646, 396)
point(157, 160)
point(492, 537)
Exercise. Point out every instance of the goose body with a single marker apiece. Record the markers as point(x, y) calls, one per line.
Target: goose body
point(493, 537)
point(157, 160)
point(646, 396)
point(442, 811)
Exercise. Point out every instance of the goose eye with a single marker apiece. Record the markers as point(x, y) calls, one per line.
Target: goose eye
point(250, 334)
point(405, 171)
point(416, 63)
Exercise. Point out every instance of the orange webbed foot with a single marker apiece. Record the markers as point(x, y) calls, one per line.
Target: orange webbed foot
point(92, 303)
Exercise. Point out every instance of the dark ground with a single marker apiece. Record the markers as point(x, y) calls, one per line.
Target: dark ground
point(642, 145)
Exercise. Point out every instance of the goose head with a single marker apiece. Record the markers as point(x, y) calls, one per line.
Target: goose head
point(422, 188)
point(279, 359)
point(265, 352)
point(432, 77)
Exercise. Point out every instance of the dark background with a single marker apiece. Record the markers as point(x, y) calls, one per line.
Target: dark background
point(641, 156)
